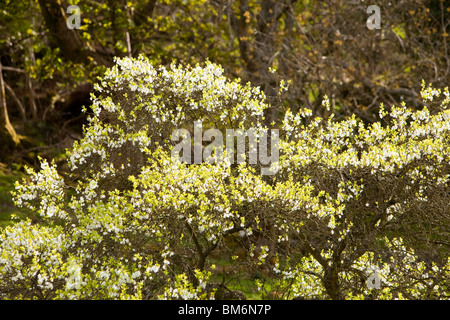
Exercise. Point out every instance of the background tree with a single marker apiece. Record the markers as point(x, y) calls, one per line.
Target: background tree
point(8, 136)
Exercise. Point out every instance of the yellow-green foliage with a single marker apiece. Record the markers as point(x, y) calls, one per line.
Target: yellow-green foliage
point(348, 197)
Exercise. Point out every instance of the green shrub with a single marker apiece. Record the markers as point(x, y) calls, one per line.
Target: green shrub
point(346, 198)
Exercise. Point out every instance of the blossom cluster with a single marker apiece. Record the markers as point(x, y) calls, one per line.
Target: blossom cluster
point(131, 222)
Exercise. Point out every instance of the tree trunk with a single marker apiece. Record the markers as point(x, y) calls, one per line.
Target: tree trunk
point(331, 282)
point(259, 55)
point(9, 140)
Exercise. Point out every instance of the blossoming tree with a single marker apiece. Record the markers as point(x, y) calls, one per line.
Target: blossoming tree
point(348, 200)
